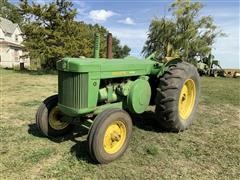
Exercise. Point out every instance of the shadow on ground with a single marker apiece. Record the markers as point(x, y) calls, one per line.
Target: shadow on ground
point(77, 131)
point(79, 149)
point(145, 121)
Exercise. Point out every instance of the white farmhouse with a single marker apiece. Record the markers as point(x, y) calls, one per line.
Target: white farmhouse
point(11, 48)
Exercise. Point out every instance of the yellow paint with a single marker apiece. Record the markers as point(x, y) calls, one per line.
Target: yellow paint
point(120, 73)
point(123, 73)
point(187, 99)
point(54, 119)
point(114, 137)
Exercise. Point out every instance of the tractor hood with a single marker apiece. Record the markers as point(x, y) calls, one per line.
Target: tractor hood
point(107, 67)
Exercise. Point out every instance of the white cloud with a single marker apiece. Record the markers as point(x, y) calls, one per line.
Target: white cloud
point(128, 20)
point(100, 15)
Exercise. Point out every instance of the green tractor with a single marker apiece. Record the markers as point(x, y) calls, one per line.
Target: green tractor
point(208, 66)
point(106, 91)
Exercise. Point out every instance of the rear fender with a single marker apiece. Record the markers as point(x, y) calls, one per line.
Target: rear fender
point(167, 65)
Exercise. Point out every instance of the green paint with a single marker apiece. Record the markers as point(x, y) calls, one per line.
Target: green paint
point(123, 88)
point(139, 96)
point(101, 108)
point(113, 93)
point(83, 88)
point(97, 45)
point(108, 68)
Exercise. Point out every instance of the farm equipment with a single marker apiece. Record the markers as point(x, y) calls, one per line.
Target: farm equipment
point(233, 73)
point(106, 91)
point(210, 67)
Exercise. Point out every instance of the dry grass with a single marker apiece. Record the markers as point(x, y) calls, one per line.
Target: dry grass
point(210, 149)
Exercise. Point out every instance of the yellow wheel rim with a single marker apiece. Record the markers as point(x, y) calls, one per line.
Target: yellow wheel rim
point(55, 117)
point(187, 99)
point(115, 136)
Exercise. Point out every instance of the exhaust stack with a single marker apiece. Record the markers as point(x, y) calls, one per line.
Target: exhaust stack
point(97, 45)
point(109, 46)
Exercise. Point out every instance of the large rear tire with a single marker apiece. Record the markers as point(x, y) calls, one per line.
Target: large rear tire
point(177, 97)
point(49, 119)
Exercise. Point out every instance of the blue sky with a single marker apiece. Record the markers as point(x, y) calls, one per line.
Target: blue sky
point(128, 20)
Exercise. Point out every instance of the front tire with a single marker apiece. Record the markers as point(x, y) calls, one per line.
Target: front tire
point(109, 135)
point(49, 119)
point(177, 97)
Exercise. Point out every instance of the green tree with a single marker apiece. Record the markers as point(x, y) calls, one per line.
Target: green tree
point(186, 34)
point(51, 33)
point(47, 29)
point(119, 51)
point(10, 12)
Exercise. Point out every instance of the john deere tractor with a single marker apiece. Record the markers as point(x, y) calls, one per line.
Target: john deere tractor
point(105, 91)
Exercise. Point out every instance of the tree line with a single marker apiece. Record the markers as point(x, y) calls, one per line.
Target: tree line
point(184, 33)
point(51, 32)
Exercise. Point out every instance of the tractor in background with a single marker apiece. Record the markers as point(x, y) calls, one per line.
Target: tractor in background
point(208, 66)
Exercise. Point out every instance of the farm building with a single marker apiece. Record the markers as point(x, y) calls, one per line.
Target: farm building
point(11, 48)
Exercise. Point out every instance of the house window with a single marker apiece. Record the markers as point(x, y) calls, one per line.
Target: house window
point(16, 56)
point(16, 38)
point(8, 34)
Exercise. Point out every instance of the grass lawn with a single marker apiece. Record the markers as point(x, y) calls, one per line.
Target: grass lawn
point(210, 149)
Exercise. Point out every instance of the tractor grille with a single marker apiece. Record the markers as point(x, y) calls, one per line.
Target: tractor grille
point(73, 89)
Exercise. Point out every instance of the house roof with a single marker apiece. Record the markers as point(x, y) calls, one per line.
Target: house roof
point(7, 26)
point(11, 44)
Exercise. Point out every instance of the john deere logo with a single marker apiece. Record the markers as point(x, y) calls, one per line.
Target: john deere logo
point(122, 73)
point(119, 73)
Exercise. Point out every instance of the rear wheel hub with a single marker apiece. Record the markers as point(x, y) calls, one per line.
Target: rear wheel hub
point(187, 99)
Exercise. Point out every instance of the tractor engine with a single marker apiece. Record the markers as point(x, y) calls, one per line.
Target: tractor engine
point(84, 85)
